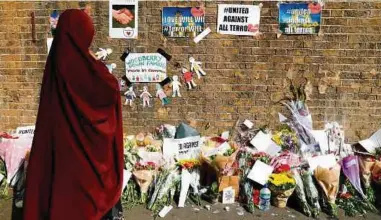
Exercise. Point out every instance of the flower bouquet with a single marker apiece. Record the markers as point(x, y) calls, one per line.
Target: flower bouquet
point(328, 180)
point(366, 164)
point(312, 194)
point(131, 155)
point(164, 189)
point(301, 121)
point(286, 160)
point(351, 170)
point(352, 202)
point(221, 157)
point(144, 173)
point(282, 185)
point(190, 177)
point(300, 194)
point(245, 163)
point(287, 139)
point(165, 131)
point(376, 172)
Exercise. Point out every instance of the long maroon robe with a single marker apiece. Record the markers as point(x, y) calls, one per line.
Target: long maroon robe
point(76, 163)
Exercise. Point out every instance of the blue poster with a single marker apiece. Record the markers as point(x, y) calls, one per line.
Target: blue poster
point(182, 21)
point(299, 18)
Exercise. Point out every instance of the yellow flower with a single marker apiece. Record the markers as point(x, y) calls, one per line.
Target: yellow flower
point(279, 179)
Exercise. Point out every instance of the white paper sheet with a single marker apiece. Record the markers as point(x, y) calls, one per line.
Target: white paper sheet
point(321, 137)
point(165, 211)
point(126, 177)
point(225, 135)
point(226, 24)
point(260, 172)
point(228, 195)
point(49, 42)
point(184, 148)
point(201, 36)
point(185, 183)
point(325, 161)
point(372, 143)
point(264, 143)
point(248, 124)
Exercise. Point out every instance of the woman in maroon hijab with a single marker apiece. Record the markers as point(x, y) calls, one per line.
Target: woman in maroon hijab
point(76, 163)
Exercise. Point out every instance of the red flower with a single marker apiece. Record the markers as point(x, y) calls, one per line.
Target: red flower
point(282, 168)
point(346, 195)
point(256, 196)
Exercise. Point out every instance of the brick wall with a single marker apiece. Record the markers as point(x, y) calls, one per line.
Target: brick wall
point(246, 76)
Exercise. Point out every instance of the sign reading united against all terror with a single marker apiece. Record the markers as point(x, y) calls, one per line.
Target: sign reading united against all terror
point(238, 19)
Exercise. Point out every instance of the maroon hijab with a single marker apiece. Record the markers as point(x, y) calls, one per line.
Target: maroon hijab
point(76, 163)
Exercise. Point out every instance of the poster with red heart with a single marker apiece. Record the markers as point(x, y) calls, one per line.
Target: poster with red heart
point(123, 19)
point(238, 19)
point(183, 21)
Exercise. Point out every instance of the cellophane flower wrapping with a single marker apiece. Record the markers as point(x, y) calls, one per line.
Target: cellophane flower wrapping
point(144, 179)
point(376, 173)
point(366, 164)
point(335, 135)
point(287, 139)
point(163, 189)
point(286, 158)
point(300, 194)
point(351, 170)
point(328, 180)
point(312, 194)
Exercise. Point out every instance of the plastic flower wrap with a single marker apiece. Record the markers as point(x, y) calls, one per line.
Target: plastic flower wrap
point(284, 160)
point(376, 173)
point(144, 173)
point(13, 152)
point(287, 139)
point(130, 153)
point(351, 170)
point(335, 134)
point(312, 194)
point(164, 189)
point(282, 185)
point(165, 131)
point(300, 194)
point(222, 161)
point(245, 163)
point(328, 180)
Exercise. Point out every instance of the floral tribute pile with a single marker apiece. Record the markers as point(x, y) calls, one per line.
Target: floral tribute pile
point(314, 169)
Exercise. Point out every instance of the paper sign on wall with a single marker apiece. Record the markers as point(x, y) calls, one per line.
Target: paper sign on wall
point(146, 67)
point(184, 148)
point(182, 21)
point(299, 18)
point(238, 19)
point(25, 131)
point(123, 19)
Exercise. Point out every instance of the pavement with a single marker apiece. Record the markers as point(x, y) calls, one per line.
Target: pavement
point(192, 212)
